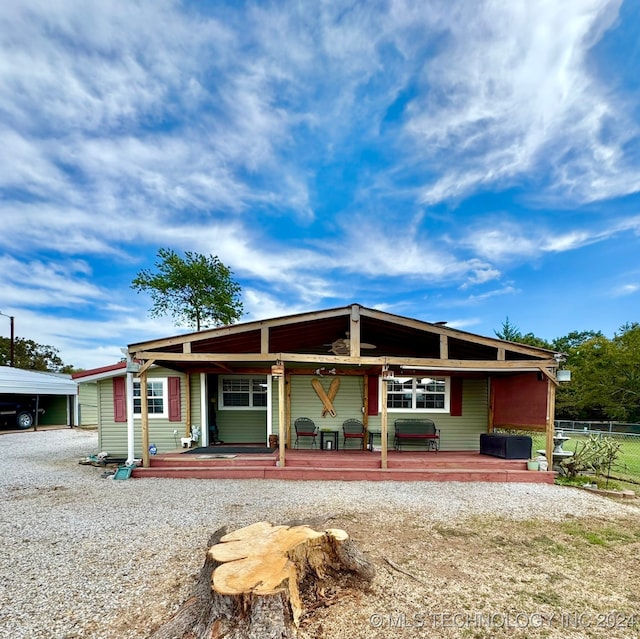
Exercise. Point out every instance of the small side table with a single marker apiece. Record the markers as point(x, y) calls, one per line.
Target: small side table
point(329, 435)
point(372, 435)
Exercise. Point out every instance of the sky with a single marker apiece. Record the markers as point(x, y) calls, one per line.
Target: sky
point(445, 160)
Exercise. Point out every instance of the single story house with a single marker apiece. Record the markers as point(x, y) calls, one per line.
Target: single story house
point(246, 382)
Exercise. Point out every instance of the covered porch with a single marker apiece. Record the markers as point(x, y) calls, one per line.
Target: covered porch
point(359, 364)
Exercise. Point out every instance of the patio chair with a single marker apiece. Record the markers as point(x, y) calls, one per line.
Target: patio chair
point(353, 429)
point(305, 427)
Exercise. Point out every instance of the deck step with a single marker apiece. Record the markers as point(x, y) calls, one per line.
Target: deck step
point(345, 474)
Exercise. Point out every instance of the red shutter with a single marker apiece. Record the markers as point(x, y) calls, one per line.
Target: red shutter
point(175, 414)
point(119, 400)
point(372, 389)
point(455, 399)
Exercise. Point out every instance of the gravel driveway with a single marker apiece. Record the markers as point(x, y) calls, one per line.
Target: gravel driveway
point(85, 556)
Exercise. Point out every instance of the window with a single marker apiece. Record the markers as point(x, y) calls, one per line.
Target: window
point(428, 394)
point(243, 393)
point(156, 398)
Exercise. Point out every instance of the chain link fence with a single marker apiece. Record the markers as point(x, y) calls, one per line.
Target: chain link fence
point(626, 467)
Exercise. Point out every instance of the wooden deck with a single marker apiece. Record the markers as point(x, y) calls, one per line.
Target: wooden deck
point(345, 465)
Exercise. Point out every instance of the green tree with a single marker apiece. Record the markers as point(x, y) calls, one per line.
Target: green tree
point(195, 290)
point(571, 343)
point(571, 402)
point(607, 375)
point(30, 355)
point(511, 333)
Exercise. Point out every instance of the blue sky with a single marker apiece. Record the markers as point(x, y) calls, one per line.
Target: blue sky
point(448, 161)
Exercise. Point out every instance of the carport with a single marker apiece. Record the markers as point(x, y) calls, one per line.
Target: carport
point(41, 386)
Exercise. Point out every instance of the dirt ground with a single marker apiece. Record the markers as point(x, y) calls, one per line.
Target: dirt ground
point(483, 578)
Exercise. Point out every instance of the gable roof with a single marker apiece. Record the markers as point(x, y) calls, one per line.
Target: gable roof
point(345, 335)
point(103, 372)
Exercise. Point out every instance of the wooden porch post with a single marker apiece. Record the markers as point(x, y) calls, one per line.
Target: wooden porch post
point(383, 425)
point(551, 414)
point(144, 419)
point(277, 371)
point(287, 414)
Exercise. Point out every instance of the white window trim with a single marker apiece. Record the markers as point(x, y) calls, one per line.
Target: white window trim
point(447, 399)
point(221, 406)
point(165, 398)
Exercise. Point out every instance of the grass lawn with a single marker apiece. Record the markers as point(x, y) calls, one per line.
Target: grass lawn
point(626, 466)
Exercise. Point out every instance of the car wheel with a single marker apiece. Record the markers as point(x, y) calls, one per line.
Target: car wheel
point(24, 420)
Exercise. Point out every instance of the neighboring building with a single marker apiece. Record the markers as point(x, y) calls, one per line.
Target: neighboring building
point(231, 377)
point(47, 397)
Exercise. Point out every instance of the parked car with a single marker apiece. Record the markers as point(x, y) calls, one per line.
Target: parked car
point(18, 411)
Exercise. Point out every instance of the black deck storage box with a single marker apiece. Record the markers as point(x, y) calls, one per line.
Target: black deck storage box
point(506, 446)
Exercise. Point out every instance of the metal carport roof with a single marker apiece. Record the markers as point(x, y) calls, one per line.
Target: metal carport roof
point(19, 381)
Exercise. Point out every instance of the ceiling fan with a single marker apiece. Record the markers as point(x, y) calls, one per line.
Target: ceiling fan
point(342, 346)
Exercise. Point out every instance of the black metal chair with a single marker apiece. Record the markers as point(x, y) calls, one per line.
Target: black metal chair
point(353, 429)
point(305, 427)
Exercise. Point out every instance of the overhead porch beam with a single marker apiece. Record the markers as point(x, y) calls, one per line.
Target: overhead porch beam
point(415, 362)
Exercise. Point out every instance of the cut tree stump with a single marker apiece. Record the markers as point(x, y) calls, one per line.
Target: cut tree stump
point(255, 581)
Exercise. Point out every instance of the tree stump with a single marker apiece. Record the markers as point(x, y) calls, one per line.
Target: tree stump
point(255, 580)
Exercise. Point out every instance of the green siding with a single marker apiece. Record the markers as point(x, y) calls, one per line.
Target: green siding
point(55, 410)
point(88, 404)
point(305, 402)
point(456, 433)
point(112, 436)
point(238, 426)
point(242, 427)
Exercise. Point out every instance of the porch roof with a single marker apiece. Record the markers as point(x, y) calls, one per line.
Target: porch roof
point(341, 337)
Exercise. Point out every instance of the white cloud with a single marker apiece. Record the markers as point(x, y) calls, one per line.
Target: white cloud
point(513, 87)
point(626, 289)
point(502, 239)
point(37, 283)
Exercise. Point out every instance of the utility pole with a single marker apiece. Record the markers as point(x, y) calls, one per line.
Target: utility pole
point(13, 340)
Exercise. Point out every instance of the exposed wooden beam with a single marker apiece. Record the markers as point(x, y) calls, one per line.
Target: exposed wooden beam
point(146, 366)
point(352, 312)
point(444, 346)
point(450, 332)
point(236, 329)
point(354, 331)
point(264, 339)
point(551, 376)
point(502, 354)
point(436, 364)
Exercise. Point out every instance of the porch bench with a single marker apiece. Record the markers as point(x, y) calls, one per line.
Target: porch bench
point(416, 430)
